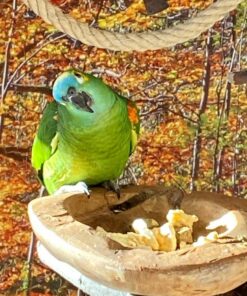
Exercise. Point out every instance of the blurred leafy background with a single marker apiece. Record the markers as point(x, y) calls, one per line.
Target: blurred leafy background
point(194, 122)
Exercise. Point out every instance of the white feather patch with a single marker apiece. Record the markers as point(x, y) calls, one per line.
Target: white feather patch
point(80, 79)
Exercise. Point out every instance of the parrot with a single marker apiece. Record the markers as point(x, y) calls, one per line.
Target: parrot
point(85, 136)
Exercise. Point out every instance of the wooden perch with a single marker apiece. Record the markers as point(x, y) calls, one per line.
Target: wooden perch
point(65, 226)
point(238, 78)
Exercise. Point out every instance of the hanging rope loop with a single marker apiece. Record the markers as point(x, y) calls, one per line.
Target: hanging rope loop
point(150, 40)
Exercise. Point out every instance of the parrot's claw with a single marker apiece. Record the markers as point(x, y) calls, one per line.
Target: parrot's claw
point(112, 185)
point(79, 187)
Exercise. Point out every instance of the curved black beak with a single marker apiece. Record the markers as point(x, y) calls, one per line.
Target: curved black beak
point(81, 100)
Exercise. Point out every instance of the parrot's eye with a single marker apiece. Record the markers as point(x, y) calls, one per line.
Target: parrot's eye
point(71, 91)
point(78, 75)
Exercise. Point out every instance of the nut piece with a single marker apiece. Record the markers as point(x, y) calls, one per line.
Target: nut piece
point(202, 240)
point(176, 232)
point(184, 236)
point(179, 219)
point(166, 237)
point(131, 239)
point(183, 245)
point(139, 225)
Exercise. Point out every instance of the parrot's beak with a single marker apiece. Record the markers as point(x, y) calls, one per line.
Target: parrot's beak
point(82, 101)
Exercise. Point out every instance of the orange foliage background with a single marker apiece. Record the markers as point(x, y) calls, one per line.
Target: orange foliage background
point(167, 86)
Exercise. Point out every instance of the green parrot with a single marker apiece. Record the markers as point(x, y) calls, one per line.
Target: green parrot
point(85, 136)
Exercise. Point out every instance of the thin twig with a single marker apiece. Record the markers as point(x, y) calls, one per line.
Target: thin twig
point(95, 20)
point(8, 48)
point(32, 245)
point(224, 115)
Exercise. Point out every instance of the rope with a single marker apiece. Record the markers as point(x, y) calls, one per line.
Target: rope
point(149, 40)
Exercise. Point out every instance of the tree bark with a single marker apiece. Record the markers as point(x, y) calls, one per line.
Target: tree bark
point(202, 108)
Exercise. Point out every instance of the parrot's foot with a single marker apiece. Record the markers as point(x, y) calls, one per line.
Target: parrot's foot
point(79, 187)
point(112, 185)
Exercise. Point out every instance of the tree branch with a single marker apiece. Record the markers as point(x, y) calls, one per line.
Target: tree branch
point(202, 108)
point(42, 89)
point(15, 152)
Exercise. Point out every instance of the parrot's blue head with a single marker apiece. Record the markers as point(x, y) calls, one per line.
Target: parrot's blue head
point(83, 92)
point(68, 88)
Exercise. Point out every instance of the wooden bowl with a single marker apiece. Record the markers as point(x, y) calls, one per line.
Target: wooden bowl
point(65, 225)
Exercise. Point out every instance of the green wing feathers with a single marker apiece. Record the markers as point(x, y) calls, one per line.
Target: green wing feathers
point(42, 146)
point(134, 118)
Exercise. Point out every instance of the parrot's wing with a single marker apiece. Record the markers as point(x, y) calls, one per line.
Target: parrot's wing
point(134, 118)
point(43, 145)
